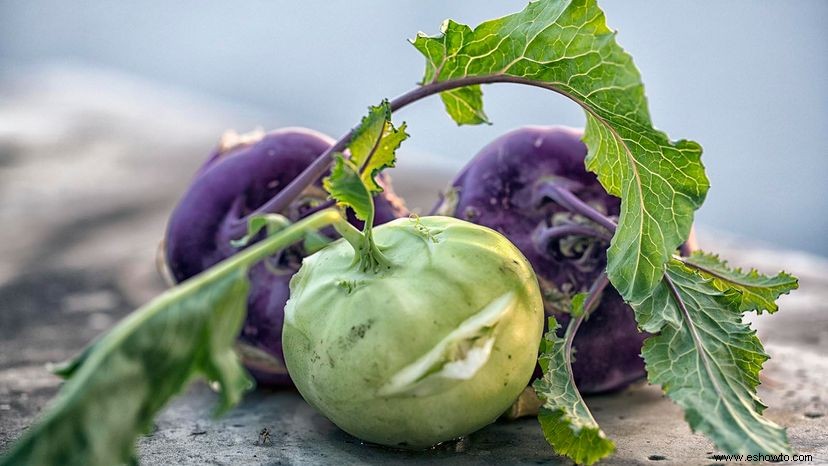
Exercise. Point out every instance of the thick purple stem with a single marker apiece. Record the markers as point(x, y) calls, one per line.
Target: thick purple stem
point(552, 233)
point(322, 163)
point(574, 204)
point(591, 302)
point(594, 294)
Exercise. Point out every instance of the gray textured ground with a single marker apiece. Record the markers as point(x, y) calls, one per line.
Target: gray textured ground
point(86, 181)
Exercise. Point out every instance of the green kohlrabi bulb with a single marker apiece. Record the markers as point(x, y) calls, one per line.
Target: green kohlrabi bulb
point(432, 347)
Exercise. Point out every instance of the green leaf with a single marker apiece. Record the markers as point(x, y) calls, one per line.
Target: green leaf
point(565, 419)
point(65, 369)
point(372, 149)
point(374, 144)
point(751, 291)
point(578, 302)
point(117, 387)
point(119, 383)
point(348, 189)
point(465, 105)
point(255, 224)
point(708, 361)
point(353, 182)
point(566, 47)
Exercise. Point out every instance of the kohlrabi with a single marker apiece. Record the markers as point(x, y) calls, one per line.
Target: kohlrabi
point(403, 334)
point(432, 346)
point(505, 187)
point(228, 195)
point(417, 331)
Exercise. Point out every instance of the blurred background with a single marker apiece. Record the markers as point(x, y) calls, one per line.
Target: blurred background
point(121, 100)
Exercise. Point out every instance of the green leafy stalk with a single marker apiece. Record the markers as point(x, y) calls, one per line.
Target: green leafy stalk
point(271, 223)
point(707, 359)
point(353, 183)
point(116, 386)
point(565, 46)
point(564, 417)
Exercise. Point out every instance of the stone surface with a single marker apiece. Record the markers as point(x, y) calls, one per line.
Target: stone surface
point(87, 181)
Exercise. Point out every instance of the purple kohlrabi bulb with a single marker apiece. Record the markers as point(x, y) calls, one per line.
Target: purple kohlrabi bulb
point(502, 188)
point(241, 175)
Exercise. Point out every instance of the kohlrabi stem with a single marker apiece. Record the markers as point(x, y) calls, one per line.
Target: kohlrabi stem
point(569, 201)
point(593, 296)
point(244, 258)
point(574, 204)
point(322, 163)
point(560, 231)
point(280, 240)
point(353, 236)
point(591, 302)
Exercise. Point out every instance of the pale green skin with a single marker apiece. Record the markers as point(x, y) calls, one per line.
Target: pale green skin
point(342, 346)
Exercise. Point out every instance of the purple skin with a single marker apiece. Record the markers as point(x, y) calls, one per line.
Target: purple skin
point(505, 187)
point(231, 184)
